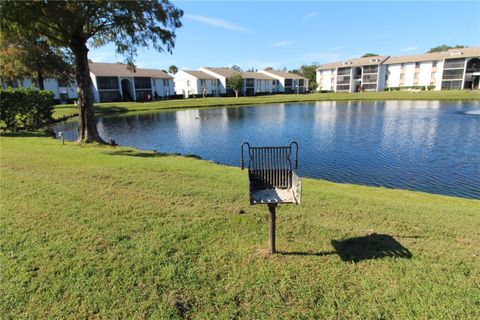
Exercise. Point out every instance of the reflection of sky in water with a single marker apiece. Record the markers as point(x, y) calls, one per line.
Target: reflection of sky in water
point(422, 145)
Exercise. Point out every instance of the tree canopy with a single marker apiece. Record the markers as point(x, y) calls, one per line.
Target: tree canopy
point(445, 47)
point(173, 69)
point(25, 56)
point(75, 25)
point(235, 82)
point(236, 68)
point(369, 54)
point(309, 72)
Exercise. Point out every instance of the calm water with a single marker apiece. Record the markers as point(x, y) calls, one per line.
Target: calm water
point(419, 145)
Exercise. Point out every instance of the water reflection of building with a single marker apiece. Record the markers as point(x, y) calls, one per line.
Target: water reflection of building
point(271, 117)
point(325, 120)
point(188, 126)
point(405, 124)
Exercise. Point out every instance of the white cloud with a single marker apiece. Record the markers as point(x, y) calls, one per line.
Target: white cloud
point(308, 16)
point(216, 22)
point(409, 48)
point(283, 43)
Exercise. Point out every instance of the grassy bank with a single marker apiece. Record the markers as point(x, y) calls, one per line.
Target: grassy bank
point(104, 108)
point(103, 232)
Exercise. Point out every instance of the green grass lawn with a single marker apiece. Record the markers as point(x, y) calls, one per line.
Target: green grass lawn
point(109, 232)
point(104, 108)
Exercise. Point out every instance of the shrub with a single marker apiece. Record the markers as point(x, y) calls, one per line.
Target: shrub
point(25, 109)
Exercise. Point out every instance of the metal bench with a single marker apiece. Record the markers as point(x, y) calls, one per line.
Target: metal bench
point(272, 178)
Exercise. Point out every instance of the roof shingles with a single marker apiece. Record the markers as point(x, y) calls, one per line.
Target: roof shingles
point(121, 70)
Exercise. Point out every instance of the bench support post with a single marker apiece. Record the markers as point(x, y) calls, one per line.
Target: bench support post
point(272, 208)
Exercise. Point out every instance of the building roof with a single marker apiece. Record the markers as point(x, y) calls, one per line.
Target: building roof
point(284, 74)
point(330, 65)
point(224, 72)
point(256, 75)
point(121, 70)
point(200, 75)
point(356, 62)
point(435, 56)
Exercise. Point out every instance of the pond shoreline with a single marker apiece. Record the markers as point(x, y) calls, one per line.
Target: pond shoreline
point(395, 144)
point(123, 107)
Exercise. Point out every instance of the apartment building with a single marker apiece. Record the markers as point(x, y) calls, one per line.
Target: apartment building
point(63, 91)
point(193, 82)
point(287, 82)
point(254, 83)
point(452, 69)
point(116, 82)
point(352, 75)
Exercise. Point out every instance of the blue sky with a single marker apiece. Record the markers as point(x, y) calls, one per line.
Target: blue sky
point(288, 34)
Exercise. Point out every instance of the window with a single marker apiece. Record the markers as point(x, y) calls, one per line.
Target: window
point(250, 83)
point(417, 64)
point(453, 74)
point(63, 84)
point(109, 96)
point(451, 85)
point(188, 83)
point(434, 64)
point(454, 63)
point(288, 82)
point(371, 86)
point(202, 84)
point(143, 95)
point(343, 71)
point(301, 82)
point(370, 69)
point(142, 83)
point(343, 87)
point(165, 82)
point(107, 83)
point(369, 78)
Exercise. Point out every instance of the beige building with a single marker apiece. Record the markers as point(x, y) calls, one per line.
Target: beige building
point(452, 69)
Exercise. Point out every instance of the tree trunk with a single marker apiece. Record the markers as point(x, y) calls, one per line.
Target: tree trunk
point(87, 124)
point(236, 93)
point(41, 84)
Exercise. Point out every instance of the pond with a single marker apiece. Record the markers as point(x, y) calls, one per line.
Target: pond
point(427, 146)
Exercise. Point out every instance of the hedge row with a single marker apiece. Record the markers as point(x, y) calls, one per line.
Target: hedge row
point(25, 109)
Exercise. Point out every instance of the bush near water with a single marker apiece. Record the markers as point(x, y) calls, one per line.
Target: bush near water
point(25, 109)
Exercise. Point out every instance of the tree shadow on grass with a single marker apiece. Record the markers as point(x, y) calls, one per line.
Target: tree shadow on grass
point(110, 109)
point(148, 154)
point(373, 246)
point(25, 134)
point(135, 153)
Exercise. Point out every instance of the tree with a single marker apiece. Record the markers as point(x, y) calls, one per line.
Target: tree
point(172, 69)
point(75, 24)
point(444, 47)
point(307, 71)
point(32, 57)
point(369, 54)
point(235, 82)
point(236, 68)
